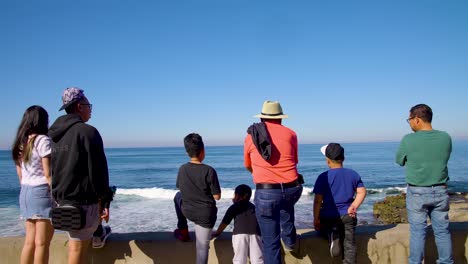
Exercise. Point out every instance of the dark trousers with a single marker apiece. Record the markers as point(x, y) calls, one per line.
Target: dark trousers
point(275, 216)
point(346, 226)
point(181, 219)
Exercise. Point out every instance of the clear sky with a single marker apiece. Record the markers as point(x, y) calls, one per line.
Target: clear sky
point(345, 71)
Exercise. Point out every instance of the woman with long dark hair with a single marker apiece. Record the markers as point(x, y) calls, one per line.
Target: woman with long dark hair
point(31, 153)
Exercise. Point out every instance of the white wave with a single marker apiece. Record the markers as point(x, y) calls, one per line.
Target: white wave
point(152, 193)
point(307, 191)
point(160, 193)
point(388, 189)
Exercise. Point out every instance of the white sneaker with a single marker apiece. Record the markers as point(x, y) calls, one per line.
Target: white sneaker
point(99, 242)
point(334, 240)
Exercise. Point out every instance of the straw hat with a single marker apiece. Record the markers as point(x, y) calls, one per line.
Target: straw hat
point(271, 110)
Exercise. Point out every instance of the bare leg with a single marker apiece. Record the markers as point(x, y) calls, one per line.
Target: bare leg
point(27, 254)
point(44, 234)
point(78, 251)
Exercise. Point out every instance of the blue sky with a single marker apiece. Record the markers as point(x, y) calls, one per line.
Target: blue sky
point(345, 71)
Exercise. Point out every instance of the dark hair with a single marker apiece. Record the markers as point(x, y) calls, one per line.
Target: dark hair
point(72, 108)
point(35, 121)
point(193, 144)
point(243, 191)
point(422, 111)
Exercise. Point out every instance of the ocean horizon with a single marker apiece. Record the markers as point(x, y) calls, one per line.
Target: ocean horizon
point(145, 179)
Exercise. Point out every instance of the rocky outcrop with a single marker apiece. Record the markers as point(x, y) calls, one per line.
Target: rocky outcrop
point(392, 210)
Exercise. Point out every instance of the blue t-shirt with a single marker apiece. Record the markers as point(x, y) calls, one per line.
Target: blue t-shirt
point(338, 187)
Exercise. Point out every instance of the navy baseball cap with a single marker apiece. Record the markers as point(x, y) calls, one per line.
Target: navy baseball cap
point(333, 151)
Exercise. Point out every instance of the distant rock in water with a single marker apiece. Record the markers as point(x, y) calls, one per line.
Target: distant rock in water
point(392, 210)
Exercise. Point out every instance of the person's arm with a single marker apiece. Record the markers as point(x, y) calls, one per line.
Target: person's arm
point(105, 214)
point(18, 171)
point(43, 146)
point(213, 181)
point(318, 199)
point(360, 195)
point(98, 170)
point(218, 232)
point(400, 158)
point(228, 216)
point(296, 147)
point(46, 168)
point(247, 160)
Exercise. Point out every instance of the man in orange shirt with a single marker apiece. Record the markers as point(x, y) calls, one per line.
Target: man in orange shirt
point(271, 155)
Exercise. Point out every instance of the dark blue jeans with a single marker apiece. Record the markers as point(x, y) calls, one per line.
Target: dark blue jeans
point(346, 226)
point(275, 216)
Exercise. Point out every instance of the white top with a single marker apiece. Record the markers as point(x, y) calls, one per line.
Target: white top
point(33, 172)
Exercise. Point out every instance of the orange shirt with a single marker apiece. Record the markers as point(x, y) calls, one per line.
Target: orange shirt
point(281, 167)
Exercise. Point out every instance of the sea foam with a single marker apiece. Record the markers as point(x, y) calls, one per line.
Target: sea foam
point(161, 193)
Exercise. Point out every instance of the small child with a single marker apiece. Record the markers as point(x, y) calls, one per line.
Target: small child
point(246, 240)
point(199, 188)
point(335, 206)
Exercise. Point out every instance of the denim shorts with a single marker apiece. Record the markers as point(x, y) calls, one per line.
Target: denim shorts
point(35, 201)
point(92, 222)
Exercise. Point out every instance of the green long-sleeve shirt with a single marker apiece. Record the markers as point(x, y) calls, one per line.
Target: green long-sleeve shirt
point(425, 155)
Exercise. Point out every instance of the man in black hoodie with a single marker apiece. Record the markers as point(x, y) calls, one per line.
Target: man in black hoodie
point(79, 169)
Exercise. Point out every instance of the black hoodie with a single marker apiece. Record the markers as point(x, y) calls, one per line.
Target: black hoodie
point(78, 163)
point(261, 139)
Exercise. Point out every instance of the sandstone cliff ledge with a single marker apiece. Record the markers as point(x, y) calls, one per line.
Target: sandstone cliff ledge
point(376, 244)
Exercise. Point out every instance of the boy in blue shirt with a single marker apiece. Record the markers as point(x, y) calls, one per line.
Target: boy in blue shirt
point(335, 206)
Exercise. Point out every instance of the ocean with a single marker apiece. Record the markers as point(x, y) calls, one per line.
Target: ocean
point(145, 180)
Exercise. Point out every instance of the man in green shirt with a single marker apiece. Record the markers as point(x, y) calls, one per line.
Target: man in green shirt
point(425, 154)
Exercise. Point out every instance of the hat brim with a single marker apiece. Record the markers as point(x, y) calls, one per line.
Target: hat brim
point(323, 149)
point(68, 104)
point(271, 116)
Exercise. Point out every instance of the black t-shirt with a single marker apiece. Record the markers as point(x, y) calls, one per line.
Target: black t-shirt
point(245, 221)
point(197, 184)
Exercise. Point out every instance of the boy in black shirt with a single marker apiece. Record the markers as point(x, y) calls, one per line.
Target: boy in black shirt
point(246, 240)
point(199, 188)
